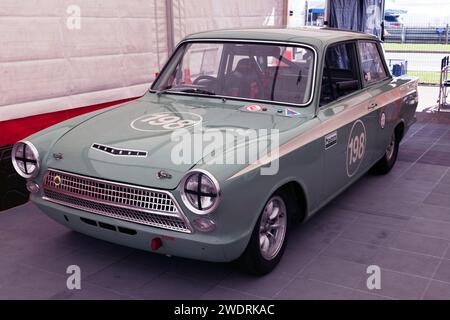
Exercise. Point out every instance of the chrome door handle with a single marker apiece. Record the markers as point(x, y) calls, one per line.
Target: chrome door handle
point(372, 106)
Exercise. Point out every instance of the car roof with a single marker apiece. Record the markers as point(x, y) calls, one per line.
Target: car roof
point(314, 36)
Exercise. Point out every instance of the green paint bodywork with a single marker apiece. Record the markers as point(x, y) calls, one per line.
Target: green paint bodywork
point(320, 173)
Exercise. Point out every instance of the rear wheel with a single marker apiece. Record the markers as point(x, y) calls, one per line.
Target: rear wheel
point(269, 236)
point(390, 156)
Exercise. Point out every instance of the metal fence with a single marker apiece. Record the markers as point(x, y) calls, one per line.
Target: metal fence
point(425, 35)
point(417, 51)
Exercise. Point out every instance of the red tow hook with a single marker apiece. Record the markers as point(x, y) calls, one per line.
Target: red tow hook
point(156, 244)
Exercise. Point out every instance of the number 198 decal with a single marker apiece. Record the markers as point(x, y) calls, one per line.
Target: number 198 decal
point(356, 147)
point(166, 121)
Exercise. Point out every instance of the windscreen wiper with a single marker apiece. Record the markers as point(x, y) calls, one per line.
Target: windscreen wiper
point(160, 92)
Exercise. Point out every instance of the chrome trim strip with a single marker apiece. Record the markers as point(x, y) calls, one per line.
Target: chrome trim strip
point(295, 44)
point(119, 150)
point(350, 114)
point(179, 214)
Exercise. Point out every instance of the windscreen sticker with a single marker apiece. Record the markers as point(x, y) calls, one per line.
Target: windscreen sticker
point(356, 147)
point(291, 112)
point(253, 108)
point(166, 121)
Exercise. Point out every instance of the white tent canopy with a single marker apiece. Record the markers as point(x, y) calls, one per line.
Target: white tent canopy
point(56, 56)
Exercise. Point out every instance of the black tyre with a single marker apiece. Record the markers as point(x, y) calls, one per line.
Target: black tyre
point(13, 191)
point(385, 164)
point(269, 237)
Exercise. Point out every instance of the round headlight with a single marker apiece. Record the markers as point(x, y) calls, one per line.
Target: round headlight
point(25, 159)
point(200, 192)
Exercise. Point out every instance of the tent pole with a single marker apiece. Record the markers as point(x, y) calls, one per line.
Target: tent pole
point(285, 13)
point(326, 13)
point(169, 26)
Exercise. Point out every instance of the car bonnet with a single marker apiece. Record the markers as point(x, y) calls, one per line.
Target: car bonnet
point(133, 143)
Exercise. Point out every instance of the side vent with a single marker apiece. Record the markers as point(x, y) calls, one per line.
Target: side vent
point(108, 226)
point(89, 221)
point(131, 232)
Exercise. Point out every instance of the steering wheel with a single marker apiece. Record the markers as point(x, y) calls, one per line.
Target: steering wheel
point(204, 77)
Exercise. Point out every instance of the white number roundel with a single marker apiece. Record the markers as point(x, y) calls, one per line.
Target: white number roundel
point(356, 147)
point(166, 121)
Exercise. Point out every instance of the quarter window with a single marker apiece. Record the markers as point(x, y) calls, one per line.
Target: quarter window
point(340, 74)
point(371, 62)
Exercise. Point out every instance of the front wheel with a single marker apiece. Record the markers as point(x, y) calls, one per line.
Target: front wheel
point(269, 237)
point(385, 164)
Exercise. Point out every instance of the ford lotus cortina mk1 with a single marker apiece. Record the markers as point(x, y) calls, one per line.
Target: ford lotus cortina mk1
point(321, 103)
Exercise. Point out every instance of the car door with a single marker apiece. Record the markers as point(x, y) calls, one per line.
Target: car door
point(386, 101)
point(346, 120)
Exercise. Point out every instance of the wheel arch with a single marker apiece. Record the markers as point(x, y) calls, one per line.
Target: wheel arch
point(297, 200)
point(400, 129)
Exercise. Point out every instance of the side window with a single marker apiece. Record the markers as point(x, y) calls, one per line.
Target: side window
point(371, 63)
point(340, 73)
point(200, 61)
point(237, 59)
point(210, 61)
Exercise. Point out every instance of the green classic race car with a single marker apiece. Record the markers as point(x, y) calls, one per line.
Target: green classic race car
point(242, 133)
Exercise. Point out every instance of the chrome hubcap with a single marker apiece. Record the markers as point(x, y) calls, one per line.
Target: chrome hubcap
point(391, 147)
point(272, 229)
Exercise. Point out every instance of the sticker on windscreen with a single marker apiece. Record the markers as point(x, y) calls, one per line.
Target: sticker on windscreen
point(253, 108)
point(291, 112)
point(166, 121)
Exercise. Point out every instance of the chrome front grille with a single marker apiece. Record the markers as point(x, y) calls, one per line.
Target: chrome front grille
point(131, 203)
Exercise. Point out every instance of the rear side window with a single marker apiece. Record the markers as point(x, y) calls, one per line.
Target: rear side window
point(340, 74)
point(371, 62)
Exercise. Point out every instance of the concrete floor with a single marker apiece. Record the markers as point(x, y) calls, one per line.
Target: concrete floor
point(428, 96)
point(400, 222)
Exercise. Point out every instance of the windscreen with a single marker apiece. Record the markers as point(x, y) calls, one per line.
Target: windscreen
point(268, 72)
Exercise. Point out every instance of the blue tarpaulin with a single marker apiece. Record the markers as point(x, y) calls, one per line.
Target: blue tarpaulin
point(316, 10)
point(362, 15)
